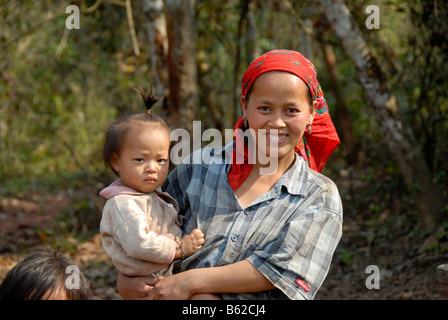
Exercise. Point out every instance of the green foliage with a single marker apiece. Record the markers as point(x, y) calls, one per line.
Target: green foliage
point(345, 256)
point(57, 97)
point(59, 88)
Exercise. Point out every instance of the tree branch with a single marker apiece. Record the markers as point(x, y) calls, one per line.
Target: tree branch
point(116, 2)
point(132, 28)
point(93, 8)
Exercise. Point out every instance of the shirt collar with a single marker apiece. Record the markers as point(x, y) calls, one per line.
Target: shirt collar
point(296, 177)
point(115, 188)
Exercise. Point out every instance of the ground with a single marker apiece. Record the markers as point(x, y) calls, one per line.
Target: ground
point(27, 226)
point(379, 229)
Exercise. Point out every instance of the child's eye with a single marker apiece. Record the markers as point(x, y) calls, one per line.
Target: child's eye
point(161, 161)
point(139, 160)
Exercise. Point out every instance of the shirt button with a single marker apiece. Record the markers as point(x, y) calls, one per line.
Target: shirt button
point(233, 238)
point(207, 264)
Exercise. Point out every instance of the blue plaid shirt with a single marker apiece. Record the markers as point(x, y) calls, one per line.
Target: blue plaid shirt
point(289, 234)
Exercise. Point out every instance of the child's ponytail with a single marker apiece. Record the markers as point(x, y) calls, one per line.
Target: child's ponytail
point(115, 135)
point(149, 98)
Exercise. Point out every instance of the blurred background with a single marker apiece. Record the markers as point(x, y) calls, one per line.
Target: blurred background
point(384, 74)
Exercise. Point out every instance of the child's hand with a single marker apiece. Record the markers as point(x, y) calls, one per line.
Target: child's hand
point(192, 242)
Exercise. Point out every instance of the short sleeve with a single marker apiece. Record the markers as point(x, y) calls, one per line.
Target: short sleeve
point(298, 261)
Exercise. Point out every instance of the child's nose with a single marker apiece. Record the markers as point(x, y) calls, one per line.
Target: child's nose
point(150, 167)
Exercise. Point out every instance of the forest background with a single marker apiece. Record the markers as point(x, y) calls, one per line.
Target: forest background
point(385, 79)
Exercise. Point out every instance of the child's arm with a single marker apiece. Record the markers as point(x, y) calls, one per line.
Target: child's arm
point(189, 244)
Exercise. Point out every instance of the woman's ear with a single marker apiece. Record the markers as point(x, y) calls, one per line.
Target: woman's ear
point(313, 111)
point(243, 104)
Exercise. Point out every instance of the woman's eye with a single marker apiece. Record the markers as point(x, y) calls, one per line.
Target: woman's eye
point(292, 110)
point(264, 108)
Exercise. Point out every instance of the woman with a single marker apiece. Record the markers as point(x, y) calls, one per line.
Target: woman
point(266, 236)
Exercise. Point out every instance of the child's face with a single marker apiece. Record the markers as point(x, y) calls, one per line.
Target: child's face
point(144, 161)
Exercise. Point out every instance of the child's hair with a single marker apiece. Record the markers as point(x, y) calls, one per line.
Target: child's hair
point(115, 135)
point(39, 275)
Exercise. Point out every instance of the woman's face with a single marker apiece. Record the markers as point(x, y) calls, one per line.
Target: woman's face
point(278, 100)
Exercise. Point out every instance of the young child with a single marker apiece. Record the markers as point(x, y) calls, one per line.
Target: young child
point(140, 227)
point(44, 276)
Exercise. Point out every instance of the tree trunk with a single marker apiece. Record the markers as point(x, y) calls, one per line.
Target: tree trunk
point(342, 114)
point(236, 69)
point(183, 97)
point(251, 45)
point(158, 44)
point(400, 138)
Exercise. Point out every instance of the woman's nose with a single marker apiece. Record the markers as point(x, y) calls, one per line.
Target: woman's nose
point(277, 120)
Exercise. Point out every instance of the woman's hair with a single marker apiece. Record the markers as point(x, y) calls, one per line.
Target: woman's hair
point(39, 275)
point(116, 134)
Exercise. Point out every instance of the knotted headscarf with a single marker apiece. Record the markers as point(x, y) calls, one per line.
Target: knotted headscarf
point(314, 148)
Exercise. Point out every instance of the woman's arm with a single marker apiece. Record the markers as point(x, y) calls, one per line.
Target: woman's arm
point(135, 288)
point(239, 277)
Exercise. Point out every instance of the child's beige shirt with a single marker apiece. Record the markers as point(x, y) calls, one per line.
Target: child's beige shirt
point(138, 230)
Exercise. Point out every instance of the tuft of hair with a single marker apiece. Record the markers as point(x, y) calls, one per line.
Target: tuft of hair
point(149, 98)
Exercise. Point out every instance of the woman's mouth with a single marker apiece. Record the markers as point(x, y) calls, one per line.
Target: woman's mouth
point(276, 138)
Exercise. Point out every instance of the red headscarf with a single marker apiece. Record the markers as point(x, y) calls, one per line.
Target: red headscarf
point(316, 147)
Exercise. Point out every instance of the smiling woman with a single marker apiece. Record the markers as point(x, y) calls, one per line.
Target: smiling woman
point(320, 138)
point(278, 102)
point(267, 236)
point(278, 107)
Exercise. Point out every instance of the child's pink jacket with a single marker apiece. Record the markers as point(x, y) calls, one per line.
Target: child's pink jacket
point(138, 230)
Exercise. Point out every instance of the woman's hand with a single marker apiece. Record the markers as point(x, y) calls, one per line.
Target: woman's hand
point(240, 276)
point(175, 287)
point(135, 288)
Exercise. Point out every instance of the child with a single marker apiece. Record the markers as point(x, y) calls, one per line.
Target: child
point(140, 228)
point(44, 276)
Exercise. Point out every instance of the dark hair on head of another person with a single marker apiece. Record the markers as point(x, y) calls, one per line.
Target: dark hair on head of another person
point(42, 275)
point(117, 131)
